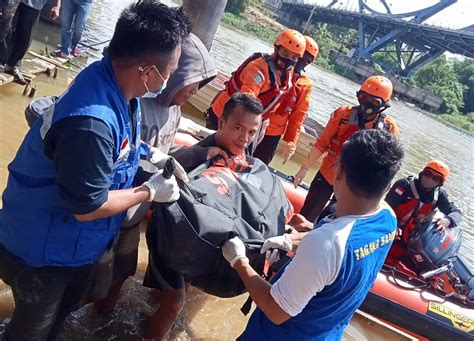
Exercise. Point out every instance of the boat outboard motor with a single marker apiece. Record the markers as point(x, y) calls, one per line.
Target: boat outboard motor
point(435, 253)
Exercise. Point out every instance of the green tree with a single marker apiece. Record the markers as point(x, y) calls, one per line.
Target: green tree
point(441, 79)
point(465, 71)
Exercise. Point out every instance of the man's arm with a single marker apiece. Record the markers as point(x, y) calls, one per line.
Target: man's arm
point(299, 113)
point(81, 149)
point(449, 208)
point(310, 270)
point(397, 194)
point(259, 290)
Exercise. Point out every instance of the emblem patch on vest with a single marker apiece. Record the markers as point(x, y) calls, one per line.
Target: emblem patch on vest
point(258, 78)
point(124, 149)
point(399, 190)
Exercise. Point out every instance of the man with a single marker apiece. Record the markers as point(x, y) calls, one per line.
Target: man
point(160, 121)
point(267, 77)
point(373, 97)
point(73, 20)
point(315, 295)
point(22, 31)
point(415, 198)
point(74, 171)
point(290, 113)
point(238, 126)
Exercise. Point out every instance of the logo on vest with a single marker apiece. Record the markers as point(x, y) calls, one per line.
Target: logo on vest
point(124, 150)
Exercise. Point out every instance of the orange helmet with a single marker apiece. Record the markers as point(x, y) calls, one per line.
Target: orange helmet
point(439, 167)
point(291, 40)
point(311, 46)
point(378, 86)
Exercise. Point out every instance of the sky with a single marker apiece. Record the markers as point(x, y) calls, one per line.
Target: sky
point(458, 15)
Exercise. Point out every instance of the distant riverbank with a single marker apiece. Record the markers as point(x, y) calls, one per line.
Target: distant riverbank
point(261, 24)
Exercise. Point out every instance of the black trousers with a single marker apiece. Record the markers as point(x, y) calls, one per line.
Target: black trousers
point(44, 297)
point(319, 193)
point(19, 39)
point(8, 10)
point(266, 149)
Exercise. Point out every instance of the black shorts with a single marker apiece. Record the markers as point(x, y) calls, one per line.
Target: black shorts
point(159, 276)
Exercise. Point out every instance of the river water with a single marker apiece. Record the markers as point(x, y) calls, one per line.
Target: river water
point(205, 317)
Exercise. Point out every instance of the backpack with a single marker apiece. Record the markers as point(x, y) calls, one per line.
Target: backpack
point(219, 202)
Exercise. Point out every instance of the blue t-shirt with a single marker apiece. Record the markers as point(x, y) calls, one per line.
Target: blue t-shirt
point(82, 183)
point(332, 271)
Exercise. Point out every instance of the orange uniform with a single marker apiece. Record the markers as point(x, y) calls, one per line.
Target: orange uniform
point(259, 77)
point(342, 124)
point(288, 117)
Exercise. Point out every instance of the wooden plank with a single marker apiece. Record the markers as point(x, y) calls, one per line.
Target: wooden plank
point(50, 60)
point(5, 78)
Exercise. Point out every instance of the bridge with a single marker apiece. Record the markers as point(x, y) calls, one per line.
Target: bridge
point(412, 42)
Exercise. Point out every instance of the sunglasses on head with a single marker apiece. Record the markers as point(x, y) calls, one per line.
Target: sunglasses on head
point(435, 176)
point(366, 98)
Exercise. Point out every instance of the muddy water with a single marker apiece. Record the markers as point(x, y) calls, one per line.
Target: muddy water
point(205, 317)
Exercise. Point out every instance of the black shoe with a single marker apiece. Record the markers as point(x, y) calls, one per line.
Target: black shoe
point(16, 73)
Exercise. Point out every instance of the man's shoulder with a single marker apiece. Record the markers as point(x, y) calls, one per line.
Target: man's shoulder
point(209, 141)
point(343, 112)
point(304, 81)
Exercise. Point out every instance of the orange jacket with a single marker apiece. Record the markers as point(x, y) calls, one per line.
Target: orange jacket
point(342, 124)
point(254, 79)
point(289, 116)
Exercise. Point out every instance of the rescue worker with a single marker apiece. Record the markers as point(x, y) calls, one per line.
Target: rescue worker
point(269, 77)
point(414, 198)
point(71, 180)
point(160, 121)
point(373, 97)
point(289, 115)
point(315, 294)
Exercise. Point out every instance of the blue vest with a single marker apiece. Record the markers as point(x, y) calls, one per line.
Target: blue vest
point(327, 314)
point(35, 224)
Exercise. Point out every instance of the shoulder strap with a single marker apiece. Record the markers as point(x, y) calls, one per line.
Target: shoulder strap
point(271, 69)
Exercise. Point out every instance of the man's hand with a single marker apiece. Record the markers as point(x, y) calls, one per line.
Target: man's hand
point(233, 250)
point(300, 175)
point(279, 242)
point(54, 12)
point(214, 151)
point(399, 234)
point(300, 223)
point(288, 151)
point(158, 158)
point(442, 224)
point(161, 189)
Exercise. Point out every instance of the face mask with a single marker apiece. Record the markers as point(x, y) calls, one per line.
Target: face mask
point(288, 63)
point(151, 94)
point(369, 111)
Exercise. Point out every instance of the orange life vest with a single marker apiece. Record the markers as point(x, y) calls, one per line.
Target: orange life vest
point(343, 123)
point(413, 210)
point(288, 116)
point(269, 97)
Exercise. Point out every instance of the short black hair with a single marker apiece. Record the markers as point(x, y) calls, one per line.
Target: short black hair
point(370, 159)
point(148, 28)
point(248, 102)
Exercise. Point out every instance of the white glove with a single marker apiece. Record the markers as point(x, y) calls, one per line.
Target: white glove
point(161, 189)
point(279, 242)
point(300, 175)
point(233, 250)
point(158, 158)
point(288, 151)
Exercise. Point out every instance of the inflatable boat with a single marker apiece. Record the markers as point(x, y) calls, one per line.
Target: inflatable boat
point(436, 305)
